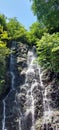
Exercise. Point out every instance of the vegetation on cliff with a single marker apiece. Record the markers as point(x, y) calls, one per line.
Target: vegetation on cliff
point(4, 52)
point(48, 51)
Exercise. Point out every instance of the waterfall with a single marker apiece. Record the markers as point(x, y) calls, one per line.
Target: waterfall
point(48, 112)
point(12, 62)
point(30, 97)
point(31, 82)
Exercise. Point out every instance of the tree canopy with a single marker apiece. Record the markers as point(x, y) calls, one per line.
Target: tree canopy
point(36, 32)
point(4, 51)
point(16, 30)
point(48, 52)
point(3, 21)
point(47, 11)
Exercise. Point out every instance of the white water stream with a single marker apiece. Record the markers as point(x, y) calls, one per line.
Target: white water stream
point(12, 86)
point(47, 114)
point(30, 76)
point(32, 82)
point(30, 97)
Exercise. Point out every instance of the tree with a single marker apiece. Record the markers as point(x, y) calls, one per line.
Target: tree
point(36, 31)
point(47, 11)
point(4, 51)
point(20, 34)
point(3, 21)
point(13, 25)
point(16, 30)
point(48, 52)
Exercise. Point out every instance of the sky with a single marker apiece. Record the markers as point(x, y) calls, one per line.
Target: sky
point(21, 9)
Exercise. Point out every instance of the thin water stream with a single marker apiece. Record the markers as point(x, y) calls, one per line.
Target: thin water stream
point(30, 108)
point(30, 97)
point(46, 105)
point(12, 59)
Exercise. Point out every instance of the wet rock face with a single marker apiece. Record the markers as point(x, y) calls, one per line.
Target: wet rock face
point(21, 55)
point(26, 123)
point(12, 111)
point(55, 95)
point(52, 85)
point(37, 93)
point(16, 101)
point(29, 121)
point(6, 87)
point(11, 121)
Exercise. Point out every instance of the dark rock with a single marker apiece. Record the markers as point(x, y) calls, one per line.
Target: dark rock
point(34, 49)
point(29, 121)
point(26, 122)
point(1, 114)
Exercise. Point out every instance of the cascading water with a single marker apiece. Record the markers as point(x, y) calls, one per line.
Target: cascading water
point(30, 75)
point(12, 59)
point(48, 112)
point(30, 97)
point(31, 82)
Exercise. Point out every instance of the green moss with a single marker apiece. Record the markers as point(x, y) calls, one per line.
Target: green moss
point(2, 82)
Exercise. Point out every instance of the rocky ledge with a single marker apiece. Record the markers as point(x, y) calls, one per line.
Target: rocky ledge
point(51, 83)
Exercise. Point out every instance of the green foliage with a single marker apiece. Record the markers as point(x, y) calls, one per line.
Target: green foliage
point(2, 82)
point(4, 35)
point(47, 11)
point(48, 51)
point(13, 25)
point(1, 30)
point(36, 31)
point(20, 34)
point(30, 38)
point(3, 21)
point(4, 52)
point(16, 30)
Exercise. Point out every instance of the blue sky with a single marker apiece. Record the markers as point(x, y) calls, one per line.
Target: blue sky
point(20, 9)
